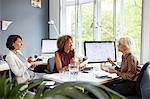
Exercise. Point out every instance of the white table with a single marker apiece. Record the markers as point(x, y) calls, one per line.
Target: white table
point(3, 66)
point(87, 77)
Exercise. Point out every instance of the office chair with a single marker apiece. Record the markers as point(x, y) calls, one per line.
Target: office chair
point(1, 56)
point(51, 64)
point(9, 73)
point(143, 81)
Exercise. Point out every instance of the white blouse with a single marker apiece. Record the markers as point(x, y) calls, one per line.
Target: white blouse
point(18, 67)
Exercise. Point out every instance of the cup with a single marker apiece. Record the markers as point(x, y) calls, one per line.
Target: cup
point(73, 71)
point(63, 73)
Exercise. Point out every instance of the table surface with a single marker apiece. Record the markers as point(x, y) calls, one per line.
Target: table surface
point(3, 65)
point(93, 75)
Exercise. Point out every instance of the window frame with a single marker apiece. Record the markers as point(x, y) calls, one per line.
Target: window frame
point(96, 19)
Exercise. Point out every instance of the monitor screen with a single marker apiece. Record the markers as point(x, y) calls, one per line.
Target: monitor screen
point(49, 46)
point(99, 51)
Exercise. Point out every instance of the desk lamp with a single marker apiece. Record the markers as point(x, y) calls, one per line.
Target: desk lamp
point(51, 22)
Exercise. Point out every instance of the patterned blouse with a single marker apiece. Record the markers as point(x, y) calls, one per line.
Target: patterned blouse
point(129, 67)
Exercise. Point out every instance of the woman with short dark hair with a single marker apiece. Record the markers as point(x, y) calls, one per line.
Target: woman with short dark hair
point(11, 40)
point(17, 62)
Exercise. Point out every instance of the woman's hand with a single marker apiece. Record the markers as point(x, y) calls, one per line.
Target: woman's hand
point(34, 65)
point(112, 70)
point(108, 69)
point(110, 61)
point(30, 59)
point(82, 65)
point(65, 68)
point(72, 61)
point(104, 68)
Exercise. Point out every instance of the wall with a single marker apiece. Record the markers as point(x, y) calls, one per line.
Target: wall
point(29, 22)
point(145, 55)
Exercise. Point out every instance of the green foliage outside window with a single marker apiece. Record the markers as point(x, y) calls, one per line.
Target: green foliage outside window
point(132, 13)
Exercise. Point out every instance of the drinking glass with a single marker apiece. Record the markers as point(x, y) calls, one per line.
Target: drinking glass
point(62, 73)
point(73, 71)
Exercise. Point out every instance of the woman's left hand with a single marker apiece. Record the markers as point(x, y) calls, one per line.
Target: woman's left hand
point(112, 70)
point(34, 65)
point(82, 65)
point(65, 68)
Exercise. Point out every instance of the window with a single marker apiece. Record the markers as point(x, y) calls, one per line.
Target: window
point(131, 18)
point(101, 20)
point(82, 12)
point(106, 18)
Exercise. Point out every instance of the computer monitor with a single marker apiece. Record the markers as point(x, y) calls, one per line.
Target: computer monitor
point(49, 46)
point(99, 51)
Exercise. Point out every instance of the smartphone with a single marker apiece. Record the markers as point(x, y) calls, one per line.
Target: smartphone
point(103, 77)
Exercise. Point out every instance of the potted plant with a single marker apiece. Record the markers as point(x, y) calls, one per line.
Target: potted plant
point(9, 88)
point(67, 90)
point(77, 90)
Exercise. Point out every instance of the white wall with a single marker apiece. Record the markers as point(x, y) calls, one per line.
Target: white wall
point(29, 22)
point(145, 55)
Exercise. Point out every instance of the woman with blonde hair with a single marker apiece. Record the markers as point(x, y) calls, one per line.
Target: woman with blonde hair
point(128, 70)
